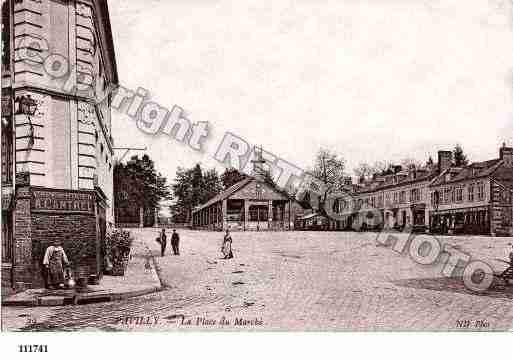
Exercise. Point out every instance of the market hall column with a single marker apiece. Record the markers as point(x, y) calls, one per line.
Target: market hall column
point(270, 216)
point(225, 214)
point(246, 212)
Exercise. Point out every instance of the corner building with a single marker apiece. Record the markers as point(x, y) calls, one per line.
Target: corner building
point(57, 163)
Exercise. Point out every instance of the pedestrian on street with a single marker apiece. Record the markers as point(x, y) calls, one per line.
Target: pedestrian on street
point(54, 260)
point(226, 249)
point(163, 242)
point(175, 243)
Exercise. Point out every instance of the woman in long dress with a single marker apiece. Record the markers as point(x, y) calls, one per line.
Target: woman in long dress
point(54, 261)
point(226, 249)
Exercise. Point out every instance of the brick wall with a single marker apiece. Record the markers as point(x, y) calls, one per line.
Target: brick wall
point(43, 215)
point(78, 233)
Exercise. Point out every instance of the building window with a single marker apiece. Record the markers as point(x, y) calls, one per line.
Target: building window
point(380, 200)
point(480, 191)
point(447, 195)
point(471, 193)
point(258, 213)
point(402, 197)
point(459, 194)
point(415, 195)
point(396, 197)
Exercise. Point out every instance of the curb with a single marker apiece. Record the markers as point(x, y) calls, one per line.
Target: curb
point(53, 301)
point(82, 298)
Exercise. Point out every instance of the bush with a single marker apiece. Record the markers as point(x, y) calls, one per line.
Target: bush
point(117, 250)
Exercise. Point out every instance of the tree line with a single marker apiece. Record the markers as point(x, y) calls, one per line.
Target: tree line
point(138, 187)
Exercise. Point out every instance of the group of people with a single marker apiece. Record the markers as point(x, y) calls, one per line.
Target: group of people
point(175, 242)
point(226, 248)
point(56, 263)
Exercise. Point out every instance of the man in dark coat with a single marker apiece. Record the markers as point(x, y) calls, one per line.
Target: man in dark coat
point(163, 242)
point(175, 242)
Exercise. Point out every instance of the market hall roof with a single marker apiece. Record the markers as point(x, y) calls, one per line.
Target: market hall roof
point(230, 191)
point(224, 194)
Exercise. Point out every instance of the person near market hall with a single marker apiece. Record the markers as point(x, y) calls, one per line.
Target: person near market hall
point(162, 239)
point(175, 243)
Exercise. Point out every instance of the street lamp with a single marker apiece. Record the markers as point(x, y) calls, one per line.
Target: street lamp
point(26, 105)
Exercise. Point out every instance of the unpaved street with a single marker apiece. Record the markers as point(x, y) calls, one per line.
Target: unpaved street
point(291, 280)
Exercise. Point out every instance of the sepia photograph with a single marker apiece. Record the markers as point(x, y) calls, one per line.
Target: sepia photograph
point(287, 166)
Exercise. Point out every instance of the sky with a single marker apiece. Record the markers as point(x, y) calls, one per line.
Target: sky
point(369, 79)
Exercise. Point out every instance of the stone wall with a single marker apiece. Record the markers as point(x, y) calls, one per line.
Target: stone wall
point(43, 215)
point(501, 215)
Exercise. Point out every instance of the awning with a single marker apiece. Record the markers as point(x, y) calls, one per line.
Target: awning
point(7, 198)
point(311, 215)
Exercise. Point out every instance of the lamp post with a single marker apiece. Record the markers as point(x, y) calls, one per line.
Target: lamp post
point(26, 105)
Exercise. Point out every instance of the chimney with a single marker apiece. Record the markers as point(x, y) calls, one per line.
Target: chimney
point(412, 171)
point(444, 160)
point(506, 155)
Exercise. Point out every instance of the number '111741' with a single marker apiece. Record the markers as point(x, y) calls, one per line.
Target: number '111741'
point(33, 348)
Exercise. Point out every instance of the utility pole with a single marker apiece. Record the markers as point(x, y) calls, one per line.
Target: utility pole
point(156, 224)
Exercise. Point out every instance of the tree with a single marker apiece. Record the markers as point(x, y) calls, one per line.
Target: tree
point(212, 184)
point(380, 168)
point(193, 187)
point(430, 163)
point(364, 170)
point(329, 169)
point(459, 157)
point(138, 185)
point(406, 163)
point(231, 176)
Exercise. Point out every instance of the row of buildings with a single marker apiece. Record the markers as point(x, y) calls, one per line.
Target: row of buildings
point(441, 198)
point(437, 198)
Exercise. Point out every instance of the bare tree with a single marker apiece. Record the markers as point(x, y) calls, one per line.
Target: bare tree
point(365, 170)
point(409, 162)
point(329, 169)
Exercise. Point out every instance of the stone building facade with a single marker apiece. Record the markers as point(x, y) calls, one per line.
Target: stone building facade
point(474, 199)
point(58, 182)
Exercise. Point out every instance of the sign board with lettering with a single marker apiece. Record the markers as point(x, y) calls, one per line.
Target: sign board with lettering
point(47, 200)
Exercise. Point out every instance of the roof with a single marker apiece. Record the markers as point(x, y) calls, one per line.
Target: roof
point(388, 181)
point(473, 171)
point(105, 31)
point(225, 194)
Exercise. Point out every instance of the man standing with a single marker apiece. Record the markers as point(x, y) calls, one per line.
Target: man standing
point(175, 242)
point(163, 241)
